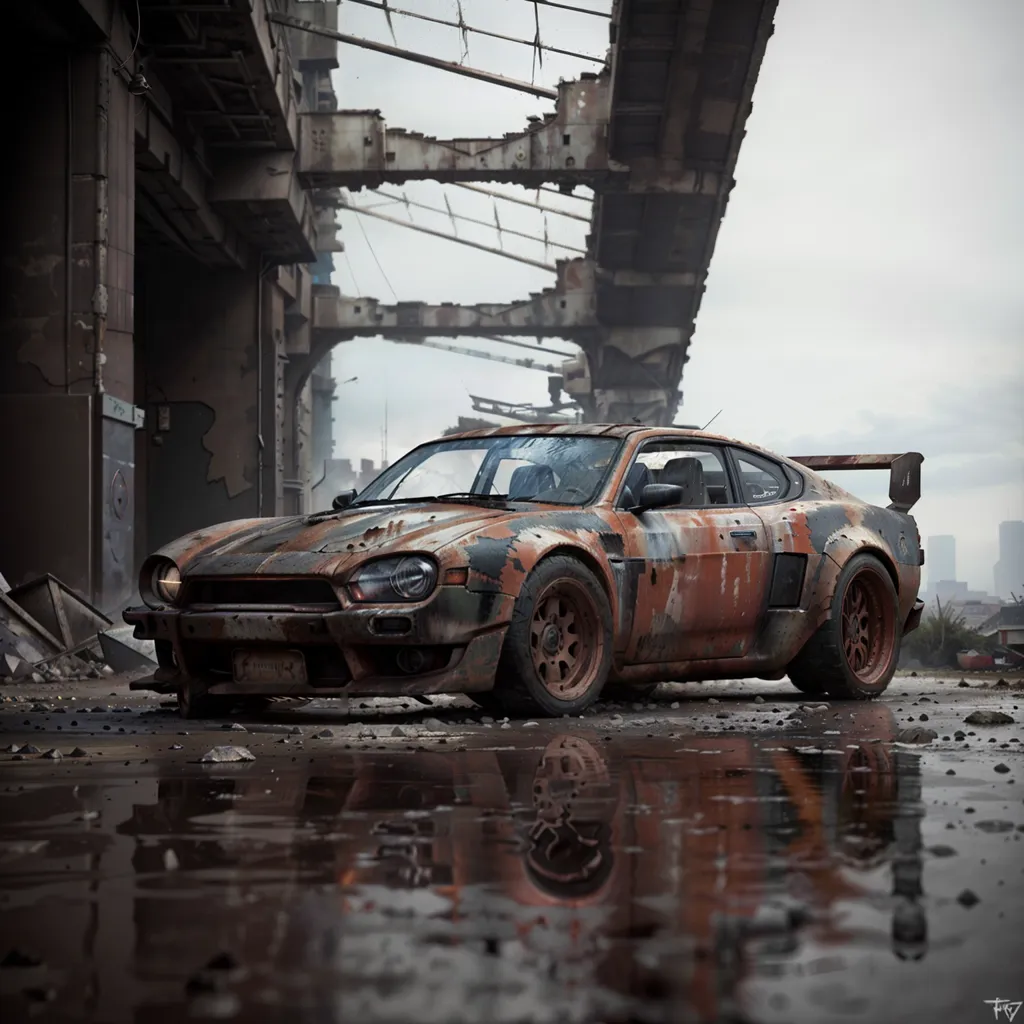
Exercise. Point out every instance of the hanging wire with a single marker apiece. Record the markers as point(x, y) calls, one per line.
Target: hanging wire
point(538, 52)
point(463, 31)
point(497, 224)
point(451, 216)
point(383, 272)
point(138, 35)
point(391, 27)
point(351, 270)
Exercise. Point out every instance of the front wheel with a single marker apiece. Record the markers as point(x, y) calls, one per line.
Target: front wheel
point(558, 649)
point(854, 654)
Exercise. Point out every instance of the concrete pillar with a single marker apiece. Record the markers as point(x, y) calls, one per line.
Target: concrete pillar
point(198, 337)
point(67, 411)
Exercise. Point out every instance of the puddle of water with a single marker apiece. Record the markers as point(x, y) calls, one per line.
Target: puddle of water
point(596, 877)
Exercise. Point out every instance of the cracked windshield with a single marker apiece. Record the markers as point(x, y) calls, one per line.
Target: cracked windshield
point(553, 470)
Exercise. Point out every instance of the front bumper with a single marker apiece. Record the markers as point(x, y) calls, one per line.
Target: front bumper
point(348, 651)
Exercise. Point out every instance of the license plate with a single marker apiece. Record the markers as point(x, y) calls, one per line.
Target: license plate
point(269, 667)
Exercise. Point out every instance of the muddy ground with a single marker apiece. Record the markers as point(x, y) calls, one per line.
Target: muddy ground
point(721, 852)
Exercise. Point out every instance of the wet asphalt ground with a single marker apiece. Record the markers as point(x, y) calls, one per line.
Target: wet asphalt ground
point(722, 852)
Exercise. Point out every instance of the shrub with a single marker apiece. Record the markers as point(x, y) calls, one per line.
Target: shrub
point(934, 644)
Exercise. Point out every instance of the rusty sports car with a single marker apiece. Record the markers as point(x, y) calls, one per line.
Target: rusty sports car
point(535, 568)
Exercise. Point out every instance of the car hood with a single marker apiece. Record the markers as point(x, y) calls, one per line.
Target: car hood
point(311, 544)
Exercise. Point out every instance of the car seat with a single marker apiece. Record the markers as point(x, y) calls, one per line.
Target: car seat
point(687, 473)
point(527, 482)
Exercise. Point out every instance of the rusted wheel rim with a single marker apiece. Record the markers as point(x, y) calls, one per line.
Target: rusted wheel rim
point(566, 639)
point(869, 629)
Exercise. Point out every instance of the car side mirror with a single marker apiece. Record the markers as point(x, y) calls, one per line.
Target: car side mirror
point(658, 496)
point(343, 500)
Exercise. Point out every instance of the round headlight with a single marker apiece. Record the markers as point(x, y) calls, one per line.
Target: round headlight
point(414, 578)
point(166, 581)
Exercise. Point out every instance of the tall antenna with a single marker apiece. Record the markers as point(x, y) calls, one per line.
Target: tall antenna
point(385, 457)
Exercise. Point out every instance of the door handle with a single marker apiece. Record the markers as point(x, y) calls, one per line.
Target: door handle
point(743, 533)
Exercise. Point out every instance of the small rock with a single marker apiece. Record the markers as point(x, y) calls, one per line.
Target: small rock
point(713, 700)
point(432, 723)
point(398, 731)
point(175, 746)
point(323, 734)
point(107, 670)
point(235, 727)
point(949, 771)
point(54, 754)
point(759, 699)
point(485, 720)
point(1001, 768)
point(505, 725)
point(12, 749)
point(916, 734)
point(171, 862)
point(814, 707)
point(224, 755)
point(30, 748)
point(923, 718)
point(722, 714)
point(968, 898)
point(36, 677)
point(994, 826)
point(942, 851)
point(989, 718)
point(78, 752)
point(964, 683)
point(1001, 684)
point(88, 816)
point(39, 709)
point(530, 725)
point(674, 705)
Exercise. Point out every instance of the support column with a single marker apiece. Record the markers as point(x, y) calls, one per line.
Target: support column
point(66, 328)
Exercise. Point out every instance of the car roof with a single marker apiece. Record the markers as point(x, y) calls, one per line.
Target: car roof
point(596, 429)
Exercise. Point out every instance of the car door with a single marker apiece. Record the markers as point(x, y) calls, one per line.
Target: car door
point(702, 567)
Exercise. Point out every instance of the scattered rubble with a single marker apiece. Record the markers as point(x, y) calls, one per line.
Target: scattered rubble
point(989, 718)
point(225, 755)
point(916, 734)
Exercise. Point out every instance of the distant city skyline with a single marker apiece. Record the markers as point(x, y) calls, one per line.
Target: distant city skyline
point(1007, 577)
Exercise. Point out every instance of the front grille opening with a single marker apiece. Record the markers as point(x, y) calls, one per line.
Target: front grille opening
point(325, 665)
point(272, 593)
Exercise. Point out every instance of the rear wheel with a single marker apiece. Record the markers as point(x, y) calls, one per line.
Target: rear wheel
point(558, 649)
point(854, 654)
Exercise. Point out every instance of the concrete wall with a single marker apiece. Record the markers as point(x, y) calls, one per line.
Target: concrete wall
point(198, 337)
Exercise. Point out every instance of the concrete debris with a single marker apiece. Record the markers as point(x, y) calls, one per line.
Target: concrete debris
point(225, 755)
point(171, 862)
point(123, 653)
point(54, 755)
point(1002, 769)
point(968, 898)
point(916, 734)
point(989, 718)
point(65, 614)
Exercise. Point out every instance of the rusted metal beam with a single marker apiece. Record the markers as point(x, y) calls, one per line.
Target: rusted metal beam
point(523, 202)
point(419, 58)
point(567, 311)
point(526, 364)
point(356, 149)
point(451, 238)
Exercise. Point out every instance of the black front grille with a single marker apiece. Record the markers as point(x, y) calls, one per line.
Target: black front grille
point(277, 593)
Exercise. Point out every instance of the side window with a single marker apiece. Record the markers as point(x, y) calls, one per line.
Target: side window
point(700, 471)
point(761, 481)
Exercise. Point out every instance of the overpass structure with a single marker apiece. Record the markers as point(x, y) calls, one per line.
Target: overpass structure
point(165, 301)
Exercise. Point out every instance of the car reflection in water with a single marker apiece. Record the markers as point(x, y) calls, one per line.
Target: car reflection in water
point(608, 877)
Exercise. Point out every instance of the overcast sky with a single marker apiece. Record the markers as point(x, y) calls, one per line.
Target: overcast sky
point(866, 288)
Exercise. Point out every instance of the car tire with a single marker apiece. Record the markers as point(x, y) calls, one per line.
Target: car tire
point(558, 649)
point(854, 654)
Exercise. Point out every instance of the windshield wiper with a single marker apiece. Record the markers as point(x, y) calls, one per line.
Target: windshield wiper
point(454, 496)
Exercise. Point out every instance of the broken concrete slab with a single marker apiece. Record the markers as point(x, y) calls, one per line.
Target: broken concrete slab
point(63, 612)
point(29, 639)
point(225, 755)
point(123, 653)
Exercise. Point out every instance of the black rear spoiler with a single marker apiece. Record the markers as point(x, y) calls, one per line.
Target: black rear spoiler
point(904, 472)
